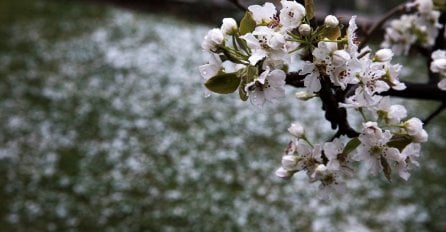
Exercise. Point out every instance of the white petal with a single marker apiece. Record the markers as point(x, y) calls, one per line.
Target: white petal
point(442, 84)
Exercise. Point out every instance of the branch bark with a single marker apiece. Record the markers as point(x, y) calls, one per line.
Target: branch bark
point(238, 5)
point(419, 91)
point(428, 91)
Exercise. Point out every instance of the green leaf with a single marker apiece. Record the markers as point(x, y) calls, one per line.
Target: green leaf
point(241, 91)
point(351, 145)
point(309, 8)
point(400, 141)
point(386, 169)
point(223, 83)
point(440, 2)
point(247, 24)
point(249, 74)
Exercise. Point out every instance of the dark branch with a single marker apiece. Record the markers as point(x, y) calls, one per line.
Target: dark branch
point(419, 91)
point(377, 26)
point(239, 5)
point(336, 115)
point(435, 113)
point(413, 90)
point(295, 79)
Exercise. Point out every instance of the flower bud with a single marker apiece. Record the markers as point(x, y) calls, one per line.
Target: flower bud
point(442, 84)
point(413, 126)
point(214, 38)
point(283, 173)
point(420, 137)
point(331, 21)
point(304, 95)
point(229, 26)
point(289, 162)
point(304, 29)
point(319, 172)
point(277, 41)
point(297, 130)
point(384, 55)
point(438, 66)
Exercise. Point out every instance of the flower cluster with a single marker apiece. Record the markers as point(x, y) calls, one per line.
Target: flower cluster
point(420, 28)
point(396, 146)
point(301, 155)
point(438, 65)
point(254, 57)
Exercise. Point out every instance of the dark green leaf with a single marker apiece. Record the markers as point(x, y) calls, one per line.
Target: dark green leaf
point(223, 83)
point(247, 24)
point(309, 8)
point(241, 91)
point(351, 145)
point(249, 74)
point(399, 141)
point(386, 169)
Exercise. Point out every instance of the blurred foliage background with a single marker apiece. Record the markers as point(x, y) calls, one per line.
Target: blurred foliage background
point(104, 127)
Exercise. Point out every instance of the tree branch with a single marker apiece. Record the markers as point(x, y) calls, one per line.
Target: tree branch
point(295, 79)
point(336, 115)
point(239, 5)
point(428, 91)
point(377, 26)
point(418, 91)
point(435, 113)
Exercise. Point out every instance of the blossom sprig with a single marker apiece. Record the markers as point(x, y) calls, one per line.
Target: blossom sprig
point(254, 57)
point(382, 150)
point(438, 65)
point(260, 45)
point(420, 27)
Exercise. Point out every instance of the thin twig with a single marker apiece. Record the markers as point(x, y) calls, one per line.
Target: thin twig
point(395, 11)
point(435, 113)
point(239, 5)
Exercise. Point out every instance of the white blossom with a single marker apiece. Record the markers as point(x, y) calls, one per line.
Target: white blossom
point(409, 155)
point(291, 14)
point(297, 130)
point(322, 55)
point(391, 113)
point(304, 29)
point(292, 163)
point(268, 87)
point(331, 21)
point(263, 15)
point(212, 40)
point(373, 147)
point(383, 55)
point(442, 84)
point(414, 127)
point(283, 173)
point(265, 42)
point(420, 28)
point(438, 65)
point(337, 161)
point(304, 95)
point(229, 26)
point(352, 41)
